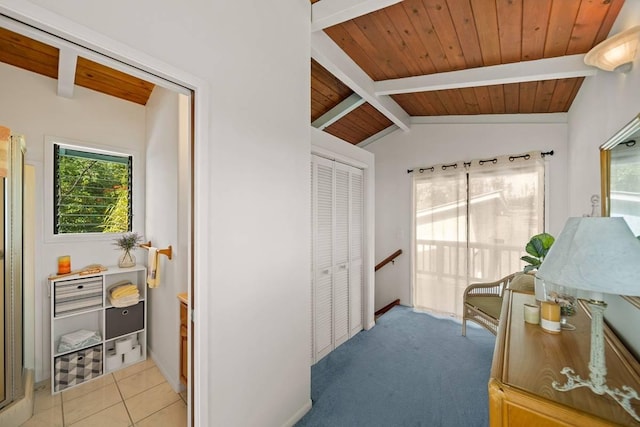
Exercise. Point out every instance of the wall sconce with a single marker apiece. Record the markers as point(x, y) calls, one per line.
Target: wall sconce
point(615, 53)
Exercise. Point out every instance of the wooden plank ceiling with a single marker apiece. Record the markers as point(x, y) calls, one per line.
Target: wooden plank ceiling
point(32, 55)
point(426, 37)
point(401, 40)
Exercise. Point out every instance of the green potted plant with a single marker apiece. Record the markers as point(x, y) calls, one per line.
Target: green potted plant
point(127, 242)
point(537, 248)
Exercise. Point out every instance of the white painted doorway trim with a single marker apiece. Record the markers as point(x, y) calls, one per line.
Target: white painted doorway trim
point(124, 55)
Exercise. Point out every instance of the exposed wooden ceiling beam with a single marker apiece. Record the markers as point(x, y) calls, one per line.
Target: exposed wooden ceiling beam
point(338, 112)
point(104, 59)
point(330, 56)
point(67, 61)
point(377, 136)
point(327, 13)
point(562, 67)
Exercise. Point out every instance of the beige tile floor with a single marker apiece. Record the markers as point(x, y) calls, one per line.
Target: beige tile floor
point(135, 396)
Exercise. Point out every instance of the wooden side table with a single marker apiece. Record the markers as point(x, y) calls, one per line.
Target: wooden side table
point(527, 360)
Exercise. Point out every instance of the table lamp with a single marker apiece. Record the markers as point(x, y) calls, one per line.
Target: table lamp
point(598, 255)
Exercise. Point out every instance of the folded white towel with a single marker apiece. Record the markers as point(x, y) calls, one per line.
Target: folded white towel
point(74, 338)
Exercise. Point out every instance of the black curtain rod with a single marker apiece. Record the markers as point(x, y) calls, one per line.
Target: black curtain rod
point(511, 158)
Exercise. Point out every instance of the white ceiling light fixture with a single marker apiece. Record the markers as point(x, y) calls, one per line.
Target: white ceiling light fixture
point(615, 53)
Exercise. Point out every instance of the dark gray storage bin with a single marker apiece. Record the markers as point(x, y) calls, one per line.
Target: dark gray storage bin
point(123, 321)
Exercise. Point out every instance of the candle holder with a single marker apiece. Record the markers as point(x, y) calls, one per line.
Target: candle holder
point(64, 264)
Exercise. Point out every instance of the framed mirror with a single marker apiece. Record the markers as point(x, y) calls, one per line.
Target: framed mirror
point(620, 178)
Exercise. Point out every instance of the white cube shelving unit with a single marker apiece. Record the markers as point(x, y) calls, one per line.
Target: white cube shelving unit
point(90, 309)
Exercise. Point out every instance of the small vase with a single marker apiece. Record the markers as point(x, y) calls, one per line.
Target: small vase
point(126, 260)
point(540, 289)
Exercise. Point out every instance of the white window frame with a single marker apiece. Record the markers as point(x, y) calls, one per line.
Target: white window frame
point(137, 190)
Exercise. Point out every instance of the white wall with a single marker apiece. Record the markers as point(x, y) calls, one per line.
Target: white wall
point(162, 186)
point(604, 104)
point(252, 198)
point(31, 107)
point(430, 144)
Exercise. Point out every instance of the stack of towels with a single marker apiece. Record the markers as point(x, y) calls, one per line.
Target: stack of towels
point(124, 295)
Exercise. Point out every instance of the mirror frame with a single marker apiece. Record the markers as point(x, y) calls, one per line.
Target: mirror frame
point(605, 170)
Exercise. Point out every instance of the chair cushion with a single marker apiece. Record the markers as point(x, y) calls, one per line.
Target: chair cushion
point(487, 304)
point(523, 283)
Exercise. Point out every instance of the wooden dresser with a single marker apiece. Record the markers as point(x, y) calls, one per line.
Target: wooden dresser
point(527, 360)
point(183, 337)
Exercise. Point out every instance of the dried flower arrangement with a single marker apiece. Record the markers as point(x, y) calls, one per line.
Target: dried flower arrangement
point(128, 241)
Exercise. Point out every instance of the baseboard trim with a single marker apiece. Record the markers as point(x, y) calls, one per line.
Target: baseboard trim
point(175, 383)
point(298, 414)
point(387, 307)
point(370, 325)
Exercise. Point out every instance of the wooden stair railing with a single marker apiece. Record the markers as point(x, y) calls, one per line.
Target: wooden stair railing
point(386, 308)
point(388, 259)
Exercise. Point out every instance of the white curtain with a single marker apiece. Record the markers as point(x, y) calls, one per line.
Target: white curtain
point(472, 222)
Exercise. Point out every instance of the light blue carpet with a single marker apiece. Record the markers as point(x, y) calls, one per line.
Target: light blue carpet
point(411, 369)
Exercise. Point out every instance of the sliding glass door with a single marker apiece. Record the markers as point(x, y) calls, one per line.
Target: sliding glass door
point(440, 236)
point(472, 221)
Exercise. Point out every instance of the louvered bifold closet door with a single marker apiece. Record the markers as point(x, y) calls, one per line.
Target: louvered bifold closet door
point(336, 261)
point(323, 257)
point(356, 242)
point(341, 255)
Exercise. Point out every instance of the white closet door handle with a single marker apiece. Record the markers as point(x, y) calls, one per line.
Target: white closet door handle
point(343, 266)
point(326, 271)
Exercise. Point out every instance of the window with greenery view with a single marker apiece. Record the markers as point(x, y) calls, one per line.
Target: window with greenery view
point(92, 191)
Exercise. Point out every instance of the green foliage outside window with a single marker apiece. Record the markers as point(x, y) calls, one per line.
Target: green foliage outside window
point(92, 192)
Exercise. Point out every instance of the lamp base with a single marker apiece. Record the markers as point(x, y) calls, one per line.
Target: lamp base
point(597, 367)
point(622, 397)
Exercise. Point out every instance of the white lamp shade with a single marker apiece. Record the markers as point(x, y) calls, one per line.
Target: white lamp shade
point(597, 254)
point(615, 51)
